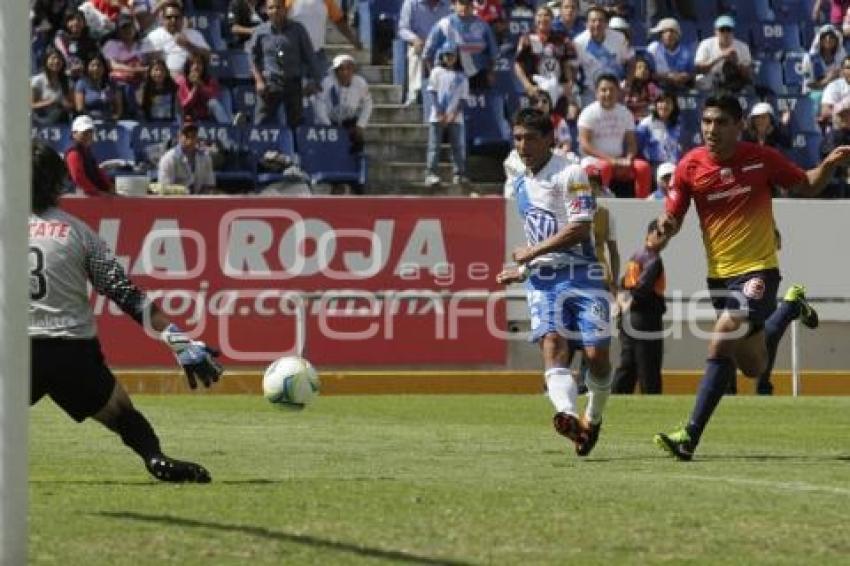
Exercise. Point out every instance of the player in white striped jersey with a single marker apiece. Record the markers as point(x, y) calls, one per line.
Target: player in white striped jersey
point(568, 300)
point(67, 362)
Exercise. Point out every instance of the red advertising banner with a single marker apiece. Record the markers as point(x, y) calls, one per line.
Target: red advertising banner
point(374, 282)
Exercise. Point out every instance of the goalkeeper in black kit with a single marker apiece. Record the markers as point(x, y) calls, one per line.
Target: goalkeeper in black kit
point(65, 255)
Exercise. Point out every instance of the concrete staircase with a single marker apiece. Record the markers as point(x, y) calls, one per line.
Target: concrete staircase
point(397, 139)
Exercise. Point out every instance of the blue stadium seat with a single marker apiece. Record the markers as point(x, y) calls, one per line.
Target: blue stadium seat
point(768, 75)
point(113, 141)
point(487, 129)
point(772, 39)
point(803, 113)
point(210, 25)
point(518, 25)
point(752, 10)
point(149, 141)
point(706, 12)
point(325, 155)
point(58, 137)
point(805, 149)
point(792, 72)
point(238, 166)
point(506, 83)
point(261, 139)
point(690, 33)
point(792, 11)
point(245, 100)
point(639, 33)
point(231, 67)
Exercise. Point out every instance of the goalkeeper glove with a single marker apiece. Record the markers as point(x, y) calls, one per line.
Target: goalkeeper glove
point(196, 358)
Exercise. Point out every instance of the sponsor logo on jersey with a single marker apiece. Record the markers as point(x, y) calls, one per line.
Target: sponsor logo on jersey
point(733, 192)
point(752, 167)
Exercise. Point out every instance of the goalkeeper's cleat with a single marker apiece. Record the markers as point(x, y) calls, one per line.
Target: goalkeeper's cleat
point(678, 443)
point(168, 469)
point(808, 315)
point(584, 447)
point(569, 426)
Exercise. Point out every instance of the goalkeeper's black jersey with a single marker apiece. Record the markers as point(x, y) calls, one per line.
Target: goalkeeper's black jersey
point(65, 255)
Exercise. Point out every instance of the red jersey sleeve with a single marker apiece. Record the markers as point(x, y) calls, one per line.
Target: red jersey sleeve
point(678, 198)
point(782, 171)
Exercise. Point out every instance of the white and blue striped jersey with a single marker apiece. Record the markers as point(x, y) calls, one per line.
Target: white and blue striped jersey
point(559, 194)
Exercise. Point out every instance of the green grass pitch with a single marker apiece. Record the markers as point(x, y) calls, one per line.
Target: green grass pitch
point(445, 480)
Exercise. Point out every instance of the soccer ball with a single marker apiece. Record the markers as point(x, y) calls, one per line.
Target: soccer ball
point(290, 382)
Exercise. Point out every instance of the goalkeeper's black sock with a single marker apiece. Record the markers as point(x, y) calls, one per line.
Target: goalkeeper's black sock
point(137, 433)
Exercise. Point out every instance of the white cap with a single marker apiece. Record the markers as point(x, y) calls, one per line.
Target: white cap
point(618, 23)
point(82, 123)
point(761, 108)
point(663, 170)
point(665, 24)
point(342, 59)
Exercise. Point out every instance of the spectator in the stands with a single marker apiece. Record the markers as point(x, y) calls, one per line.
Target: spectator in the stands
point(47, 16)
point(187, 164)
point(102, 16)
point(569, 21)
point(837, 9)
point(673, 59)
point(83, 168)
point(663, 177)
point(52, 102)
point(491, 11)
point(157, 98)
point(600, 50)
point(174, 41)
point(145, 13)
point(243, 17)
point(95, 94)
point(473, 39)
point(280, 51)
point(448, 88)
point(564, 142)
point(723, 62)
point(838, 135)
point(619, 24)
point(126, 57)
point(639, 89)
point(198, 92)
point(417, 19)
point(606, 132)
point(658, 134)
point(314, 16)
point(75, 44)
point(836, 91)
point(345, 101)
point(764, 128)
point(822, 64)
point(544, 60)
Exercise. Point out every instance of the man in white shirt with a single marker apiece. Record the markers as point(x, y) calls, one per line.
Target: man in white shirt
point(187, 164)
point(600, 50)
point(606, 133)
point(175, 42)
point(723, 61)
point(314, 16)
point(345, 101)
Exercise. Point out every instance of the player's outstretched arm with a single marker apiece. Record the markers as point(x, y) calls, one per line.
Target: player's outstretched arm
point(820, 175)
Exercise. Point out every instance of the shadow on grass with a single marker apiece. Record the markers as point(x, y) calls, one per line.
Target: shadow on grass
point(308, 540)
point(125, 483)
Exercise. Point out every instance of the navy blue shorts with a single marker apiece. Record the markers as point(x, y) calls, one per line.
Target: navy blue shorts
point(752, 294)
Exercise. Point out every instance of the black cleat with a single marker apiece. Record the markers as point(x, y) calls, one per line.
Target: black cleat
point(588, 441)
point(569, 426)
point(164, 468)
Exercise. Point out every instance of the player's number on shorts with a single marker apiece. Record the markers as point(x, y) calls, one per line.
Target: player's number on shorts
point(38, 282)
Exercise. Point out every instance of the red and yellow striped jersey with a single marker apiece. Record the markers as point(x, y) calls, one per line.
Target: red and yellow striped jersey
point(733, 202)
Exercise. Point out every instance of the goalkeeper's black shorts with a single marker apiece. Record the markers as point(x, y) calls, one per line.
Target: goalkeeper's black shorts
point(73, 373)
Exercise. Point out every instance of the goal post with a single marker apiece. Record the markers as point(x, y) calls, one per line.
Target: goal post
point(14, 299)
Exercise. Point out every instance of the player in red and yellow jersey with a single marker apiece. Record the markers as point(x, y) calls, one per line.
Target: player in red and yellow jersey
point(730, 183)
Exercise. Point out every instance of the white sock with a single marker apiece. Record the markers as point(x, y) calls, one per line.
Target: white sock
point(562, 390)
point(598, 391)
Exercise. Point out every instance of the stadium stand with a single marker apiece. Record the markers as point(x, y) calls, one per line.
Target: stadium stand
point(325, 154)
